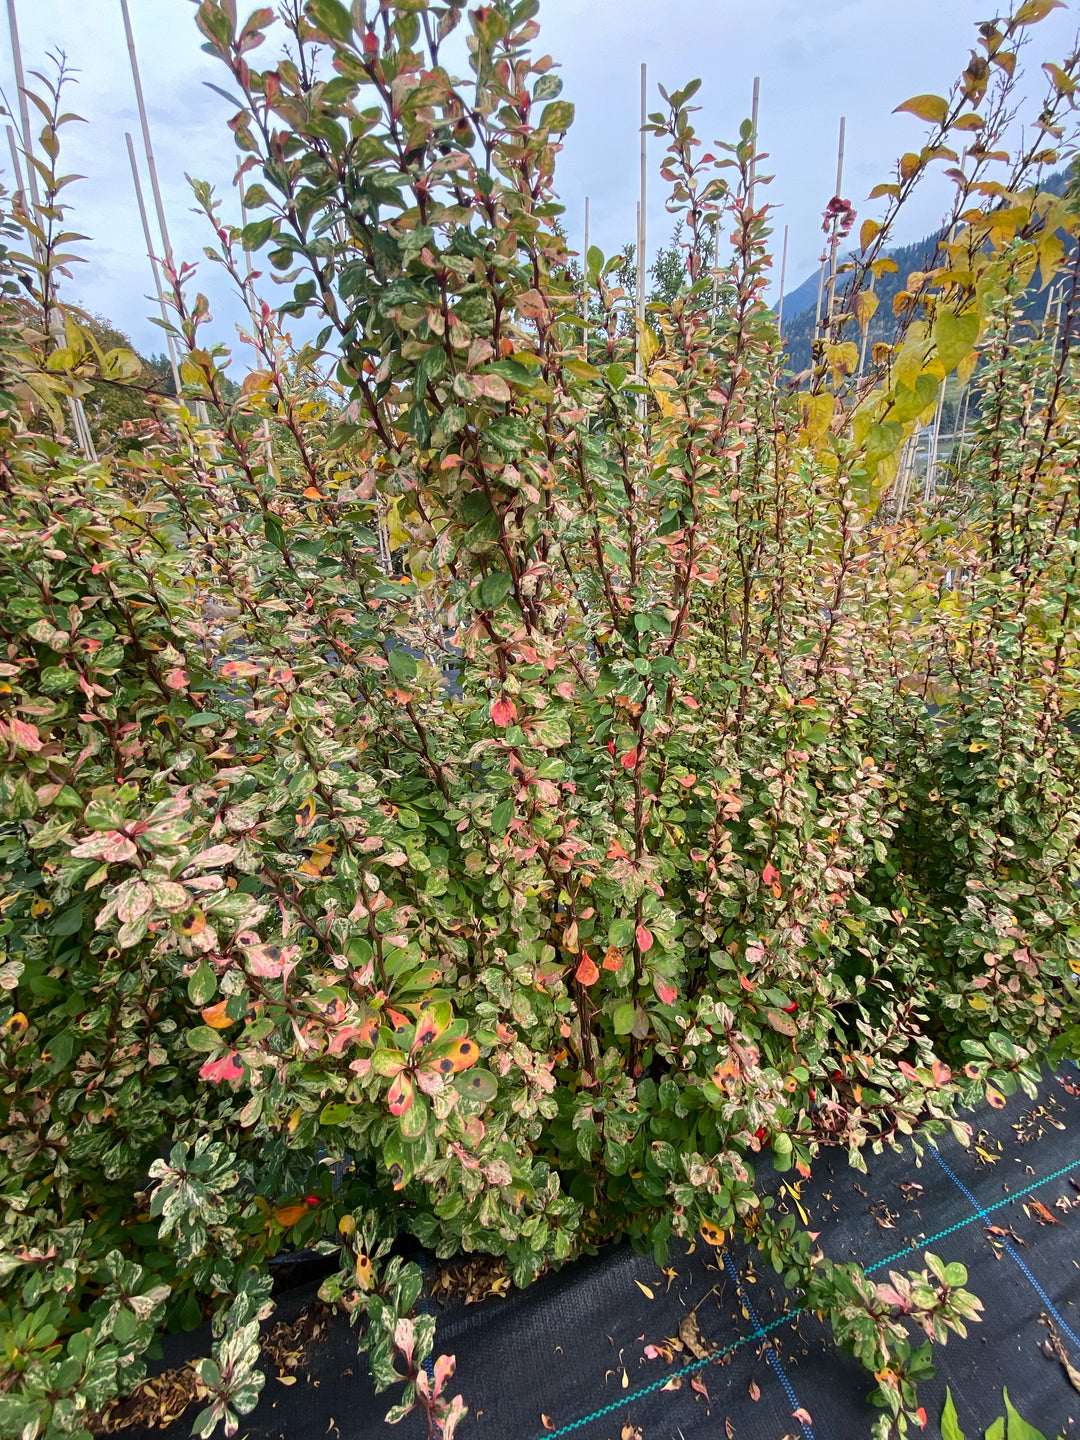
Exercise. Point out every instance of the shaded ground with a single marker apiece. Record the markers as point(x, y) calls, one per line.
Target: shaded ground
point(568, 1356)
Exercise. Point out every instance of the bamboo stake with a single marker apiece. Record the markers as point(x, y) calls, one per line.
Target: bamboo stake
point(753, 141)
point(151, 166)
point(585, 286)
point(834, 240)
point(641, 222)
point(930, 486)
point(148, 238)
point(783, 276)
point(145, 126)
point(79, 422)
point(24, 107)
point(866, 332)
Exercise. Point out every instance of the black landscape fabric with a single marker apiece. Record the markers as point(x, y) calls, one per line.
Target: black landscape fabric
point(584, 1353)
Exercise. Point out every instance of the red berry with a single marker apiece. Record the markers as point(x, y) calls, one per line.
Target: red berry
point(312, 1199)
point(790, 1009)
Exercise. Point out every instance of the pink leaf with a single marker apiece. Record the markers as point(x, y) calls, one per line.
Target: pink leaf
point(227, 1067)
point(587, 972)
point(503, 713)
point(644, 938)
point(699, 1385)
point(177, 679)
point(400, 1095)
point(23, 735)
point(666, 991)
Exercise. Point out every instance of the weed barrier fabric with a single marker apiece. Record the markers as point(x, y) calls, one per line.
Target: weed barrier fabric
point(569, 1357)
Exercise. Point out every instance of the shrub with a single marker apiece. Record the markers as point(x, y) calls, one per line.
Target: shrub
point(484, 791)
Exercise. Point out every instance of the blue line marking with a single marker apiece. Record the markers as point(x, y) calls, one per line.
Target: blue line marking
point(774, 1358)
point(1015, 1255)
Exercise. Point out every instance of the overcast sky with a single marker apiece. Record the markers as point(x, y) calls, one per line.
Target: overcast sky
point(817, 59)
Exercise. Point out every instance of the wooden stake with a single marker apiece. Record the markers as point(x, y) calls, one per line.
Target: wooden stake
point(753, 141)
point(585, 286)
point(145, 126)
point(783, 276)
point(835, 237)
point(641, 215)
point(148, 238)
point(24, 105)
point(79, 423)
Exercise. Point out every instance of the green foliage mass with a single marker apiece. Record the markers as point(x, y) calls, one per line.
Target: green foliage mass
point(507, 774)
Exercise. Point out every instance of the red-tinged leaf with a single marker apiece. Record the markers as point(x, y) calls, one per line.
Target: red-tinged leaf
point(310, 493)
point(399, 1023)
point(995, 1098)
point(908, 1070)
point(1043, 1214)
point(941, 1073)
point(781, 1023)
point(920, 1417)
point(770, 875)
point(228, 1067)
point(613, 958)
point(23, 735)
point(587, 972)
point(503, 713)
point(177, 679)
point(240, 670)
point(699, 1385)
point(269, 962)
point(666, 992)
point(644, 939)
point(400, 1095)
point(531, 304)
point(803, 1416)
point(629, 760)
point(457, 1055)
point(431, 1023)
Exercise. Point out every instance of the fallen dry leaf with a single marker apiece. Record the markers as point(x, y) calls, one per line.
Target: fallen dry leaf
point(547, 1422)
point(803, 1416)
point(699, 1385)
point(755, 1390)
point(691, 1336)
point(645, 1290)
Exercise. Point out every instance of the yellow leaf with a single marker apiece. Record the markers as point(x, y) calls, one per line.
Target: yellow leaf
point(869, 231)
point(970, 121)
point(932, 108)
point(649, 343)
point(817, 416)
point(288, 1215)
point(645, 1290)
point(1035, 10)
point(306, 813)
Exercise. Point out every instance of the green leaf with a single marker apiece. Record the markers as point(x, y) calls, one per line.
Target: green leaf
point(558, 116)
point(202, 987)
point(955, 336)
point(402, 665)
point(331, 17)
point(1019, 1429)
point(494, 589)
point(501, 817)
point(273, 532)
point(950, 1425)
point(623, 1018)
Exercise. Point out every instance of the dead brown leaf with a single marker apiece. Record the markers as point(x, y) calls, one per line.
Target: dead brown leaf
point(690, 1336)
